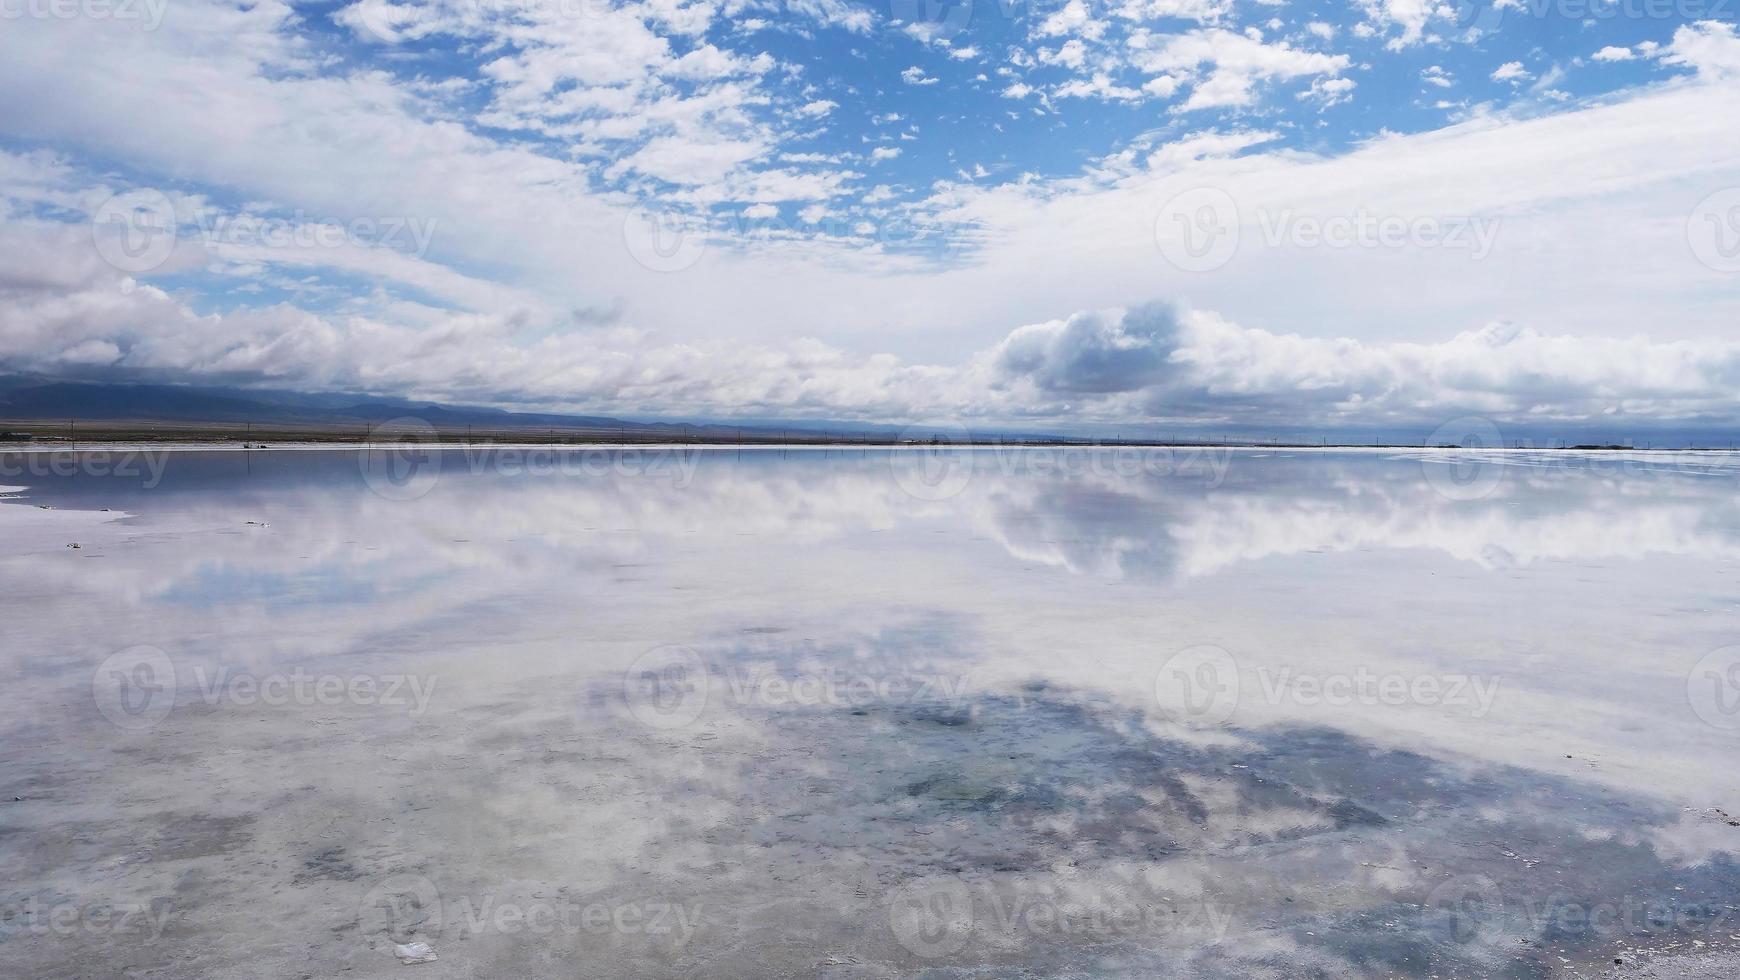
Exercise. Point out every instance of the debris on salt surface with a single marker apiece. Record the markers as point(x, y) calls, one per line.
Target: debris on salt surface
point(409, 953)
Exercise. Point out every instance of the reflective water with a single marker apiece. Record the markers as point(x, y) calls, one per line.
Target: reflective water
point(867, 713)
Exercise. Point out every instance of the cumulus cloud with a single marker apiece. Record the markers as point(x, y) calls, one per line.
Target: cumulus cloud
point(1410, 16)
point(1156, 361)
point(1235, 63)
point(1511, 71)
point(1710, 47)
point(1092, 353)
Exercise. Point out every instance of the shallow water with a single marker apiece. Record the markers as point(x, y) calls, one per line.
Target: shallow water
point(773, 712)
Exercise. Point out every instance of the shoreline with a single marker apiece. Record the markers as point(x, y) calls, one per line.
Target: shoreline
point(336, 443)
point(21, 435)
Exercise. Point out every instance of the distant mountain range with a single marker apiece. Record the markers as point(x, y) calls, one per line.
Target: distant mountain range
point(34, 403)
point(35, 400)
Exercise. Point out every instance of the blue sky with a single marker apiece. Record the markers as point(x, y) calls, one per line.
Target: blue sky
point(998, 91)
point(1208, 212)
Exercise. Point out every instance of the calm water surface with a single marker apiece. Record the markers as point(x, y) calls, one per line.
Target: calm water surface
point(862, 714)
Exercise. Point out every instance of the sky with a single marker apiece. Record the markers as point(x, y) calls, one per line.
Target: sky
point(1284, 215)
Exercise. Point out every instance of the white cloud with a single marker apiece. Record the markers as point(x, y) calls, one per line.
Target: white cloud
point(834, 13)
point(1073, 18)
point(1410, 16)
point(817, 108)
point(1099, 86)
point(1511, 71)
point(1613, 53)
point(1237, 62)
point(916, 76)
point(1330, 91)
point(1206, 145)
point(688, 161)
point(708, 62)
point(1070, 54)
point(1709, 47)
